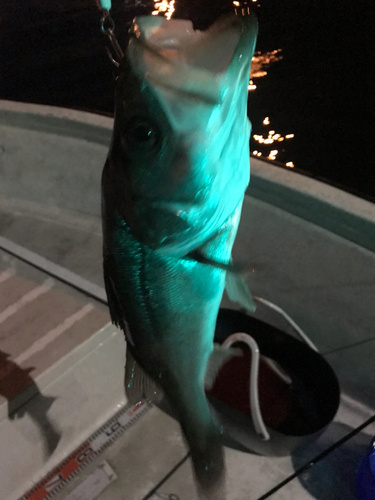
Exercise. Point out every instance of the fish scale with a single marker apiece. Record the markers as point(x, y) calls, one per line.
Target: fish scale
point(153, 283)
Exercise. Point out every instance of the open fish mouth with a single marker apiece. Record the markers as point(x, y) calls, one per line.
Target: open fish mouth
point(177, 41)
point(171, 54)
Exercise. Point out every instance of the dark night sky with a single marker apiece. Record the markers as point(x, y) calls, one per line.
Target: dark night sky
point(52, 52)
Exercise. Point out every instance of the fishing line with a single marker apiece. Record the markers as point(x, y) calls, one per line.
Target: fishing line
point(318, 458)
point(166, 477)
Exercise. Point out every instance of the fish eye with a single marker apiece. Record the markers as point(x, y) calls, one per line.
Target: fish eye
point(140, 134)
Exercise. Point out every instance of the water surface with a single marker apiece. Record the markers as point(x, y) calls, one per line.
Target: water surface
point(311, 97)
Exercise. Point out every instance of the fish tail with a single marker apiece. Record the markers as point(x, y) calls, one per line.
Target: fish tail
point(204, 438)
point(200, 429)
point(209, 467)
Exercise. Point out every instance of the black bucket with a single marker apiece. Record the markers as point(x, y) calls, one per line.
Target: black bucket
point(294, 413)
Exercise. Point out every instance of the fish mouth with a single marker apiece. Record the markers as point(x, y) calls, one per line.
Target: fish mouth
point(171, 54)
point(177, 41)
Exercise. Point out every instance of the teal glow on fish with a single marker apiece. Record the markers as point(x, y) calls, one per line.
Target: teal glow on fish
point(172, 191)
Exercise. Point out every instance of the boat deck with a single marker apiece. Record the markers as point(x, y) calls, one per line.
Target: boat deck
point(62, 363)
point(41, 319)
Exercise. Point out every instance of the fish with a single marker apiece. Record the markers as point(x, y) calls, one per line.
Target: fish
point(172, 191)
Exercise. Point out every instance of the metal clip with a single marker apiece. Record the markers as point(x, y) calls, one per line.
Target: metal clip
point(108, 28)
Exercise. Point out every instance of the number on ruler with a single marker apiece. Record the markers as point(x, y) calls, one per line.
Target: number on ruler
point(54, 482)
point(84, 454)
point(114, 427)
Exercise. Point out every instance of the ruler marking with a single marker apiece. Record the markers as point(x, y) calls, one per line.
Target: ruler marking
point(94, 484)
point(85, 454)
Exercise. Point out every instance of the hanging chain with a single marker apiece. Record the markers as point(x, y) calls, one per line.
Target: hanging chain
point(108, 28)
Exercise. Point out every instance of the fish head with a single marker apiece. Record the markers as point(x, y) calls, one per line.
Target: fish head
point(178, 164)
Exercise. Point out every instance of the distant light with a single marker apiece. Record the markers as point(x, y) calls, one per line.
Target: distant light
point(170, 10)
point(280, 139)
point(266, 121)
point(274, 152)
point(259, 74)
point(255, 152)
point(164, 7)
point(251, 85)
point(268, 141)
point(289, 136)
point(261, 62)
point(290, 164)
point(271, 133)
point(259, 154)
point(237, 4)
point(276, 136)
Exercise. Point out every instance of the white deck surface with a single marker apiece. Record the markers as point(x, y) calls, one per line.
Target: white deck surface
point(49, 203)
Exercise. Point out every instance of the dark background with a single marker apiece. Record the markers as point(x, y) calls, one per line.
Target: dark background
point(323, 90)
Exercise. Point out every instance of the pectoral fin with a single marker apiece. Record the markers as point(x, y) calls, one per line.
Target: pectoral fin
point(235, 284)
point(238, 291)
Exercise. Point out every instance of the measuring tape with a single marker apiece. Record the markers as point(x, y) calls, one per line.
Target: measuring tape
point(98, 442)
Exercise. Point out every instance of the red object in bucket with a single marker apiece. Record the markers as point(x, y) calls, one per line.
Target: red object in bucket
point(232, 386)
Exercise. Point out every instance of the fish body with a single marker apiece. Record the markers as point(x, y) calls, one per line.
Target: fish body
point(172, 187)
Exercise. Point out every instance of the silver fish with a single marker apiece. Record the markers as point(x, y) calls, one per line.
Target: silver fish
point(172, 192)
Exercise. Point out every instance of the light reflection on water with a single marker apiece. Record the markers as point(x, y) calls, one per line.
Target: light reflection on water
point(259, 66)
point(165, 7)
point(262, 61)
point(265, 142)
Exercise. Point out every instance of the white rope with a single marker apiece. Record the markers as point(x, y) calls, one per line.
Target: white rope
point(256, 414)
point(286, 316)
